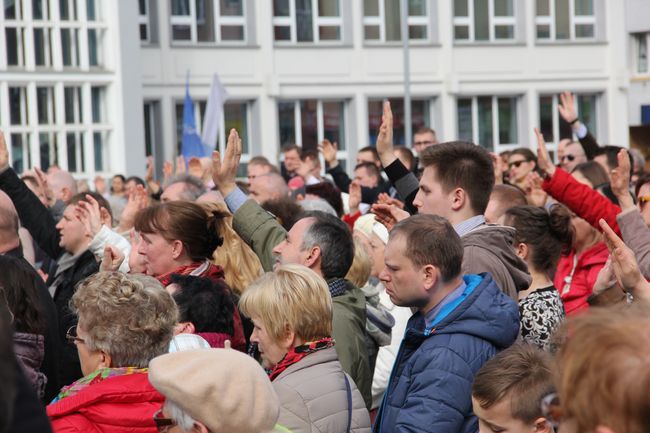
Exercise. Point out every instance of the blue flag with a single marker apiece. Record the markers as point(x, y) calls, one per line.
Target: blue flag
point(191, 144)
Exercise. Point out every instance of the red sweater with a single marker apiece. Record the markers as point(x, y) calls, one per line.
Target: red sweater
point(123, 404)
point(587, 203)
point(590, 262)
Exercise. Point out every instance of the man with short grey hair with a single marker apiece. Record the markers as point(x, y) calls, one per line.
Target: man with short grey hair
point(183, 187)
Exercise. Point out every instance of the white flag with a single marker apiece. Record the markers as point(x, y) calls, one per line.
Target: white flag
point(213, 113)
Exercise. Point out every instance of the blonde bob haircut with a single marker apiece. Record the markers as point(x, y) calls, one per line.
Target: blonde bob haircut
point(293, 298)
point(361, 266)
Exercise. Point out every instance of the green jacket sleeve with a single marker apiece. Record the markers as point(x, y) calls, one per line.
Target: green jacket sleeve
point(260, 230)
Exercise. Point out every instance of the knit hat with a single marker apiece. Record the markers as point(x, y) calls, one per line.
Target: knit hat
point(222, 388)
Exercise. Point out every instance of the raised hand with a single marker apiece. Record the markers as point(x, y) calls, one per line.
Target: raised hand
point(46, 191)
point(138, 199)
point(384, 198)
point(567, 107)
point(168, 169)
point(90, 214)
point(224, 173)
point(148, 177)
point(620, 180)
point(4, 152)
point(112, 259)
point(195, 168)
point(180, 165)
point(328, 149)
point(385, 137)
point(543, 159)
point(136, 260)
point(388, 215)
point(497, 163)
point(535, 194)
point(354, 197)
point(624, 264)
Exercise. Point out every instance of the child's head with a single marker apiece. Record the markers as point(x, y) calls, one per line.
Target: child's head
point(508, 390)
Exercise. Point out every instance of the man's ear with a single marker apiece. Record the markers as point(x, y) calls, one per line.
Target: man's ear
point(313, 257)
point(186, 328)
point(431, 274)
point(458, 198)
point(65, 194)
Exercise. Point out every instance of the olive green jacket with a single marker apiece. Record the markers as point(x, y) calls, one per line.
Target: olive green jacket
point(261, 231)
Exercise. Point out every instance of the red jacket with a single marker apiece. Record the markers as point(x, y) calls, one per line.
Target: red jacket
point(122, 404)
point(590, 262)
point(587, 203)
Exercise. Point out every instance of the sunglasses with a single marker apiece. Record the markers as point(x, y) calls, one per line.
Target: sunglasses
point(643, 199)
point(72, 337)
point(569, 157)
point(162, 424)
point(551, 409)
point(516, 164)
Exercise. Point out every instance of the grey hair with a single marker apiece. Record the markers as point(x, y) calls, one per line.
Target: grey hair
point(334, 239)
point(194, 187)
point(182, 419)
point(275, 182)
point(317, 204)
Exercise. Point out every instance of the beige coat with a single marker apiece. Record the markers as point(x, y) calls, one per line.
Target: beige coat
point(313, 397)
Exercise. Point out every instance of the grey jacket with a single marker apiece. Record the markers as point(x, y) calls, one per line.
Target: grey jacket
point(313, 396)
point(636, 235)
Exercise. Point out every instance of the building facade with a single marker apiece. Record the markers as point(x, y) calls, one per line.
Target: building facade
point(298, 71)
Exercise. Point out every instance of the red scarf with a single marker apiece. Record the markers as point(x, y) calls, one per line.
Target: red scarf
point(298, 353)
point(210, 271)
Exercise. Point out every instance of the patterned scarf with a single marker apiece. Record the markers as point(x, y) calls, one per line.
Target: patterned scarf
point(298, 353)
point(96, 377)
point(203, 269)
point(337, 286)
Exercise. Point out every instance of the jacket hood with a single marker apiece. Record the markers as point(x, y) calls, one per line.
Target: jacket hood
point(499, 241)
point(486, 313)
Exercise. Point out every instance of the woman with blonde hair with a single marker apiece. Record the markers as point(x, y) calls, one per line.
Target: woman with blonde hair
point(124, 322)
point(292, 313)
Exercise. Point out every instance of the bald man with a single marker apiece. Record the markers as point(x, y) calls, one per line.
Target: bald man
point(267, 187)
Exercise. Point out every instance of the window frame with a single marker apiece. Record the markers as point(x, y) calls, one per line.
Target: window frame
point(493, 21)
point(380, 21)
point(317, 21)
point(497, 146)
point(636, 61)
point(217, 20)
point(574, 20)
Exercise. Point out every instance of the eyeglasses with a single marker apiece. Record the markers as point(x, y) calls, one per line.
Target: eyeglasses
point(551, 409)
point(643, 199)
point(569, 157)
point(516, 163)
point(72, 337)
point(163, 424)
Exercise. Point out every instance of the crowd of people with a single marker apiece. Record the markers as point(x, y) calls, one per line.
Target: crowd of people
point(440, 289)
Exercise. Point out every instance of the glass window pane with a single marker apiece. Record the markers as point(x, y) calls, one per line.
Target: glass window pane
point(41, 58)
point(181, 33)
point(20, 152)
point(546, 117)
point(98, 147)
point(461, 33)
point(144, 36)
point(481, 20)
point(40, 9)
point(304, 26)
point(419, 114)
point(181, 7)
point(235, 115)
point(503, 8)
point(642, 53)
point(47, 142)
point(562, 20)
point(485, 135)
point(282, 33)
point(16, 101)
point(371, 33)
point(371, 8)
point(97, 99)
point(329, 33)
point(392, 20)
point(232, 33)
point(71, 145)
point(418, 32)
point(12, 45)
point(70, 47)
point(93, 47)
point(231, 8)
point(543, 31)
point(587, 112)
point(464, 114)
point(142, 7)
point(417, 8)
point(460, 8)
point(204, 21)
point(504, 32)
point(309, 124)
point(43, 105)
point(281, 8)
point(584, 7)
point(286, 123)
point(10, 9)
point(584, 30)
point(507, 120)
point(328, 8)
point(68, 10)
point(91, 10)
point(334, 123)
point(543, 8)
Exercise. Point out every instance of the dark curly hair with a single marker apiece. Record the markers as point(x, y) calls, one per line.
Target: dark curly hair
point(19, 286)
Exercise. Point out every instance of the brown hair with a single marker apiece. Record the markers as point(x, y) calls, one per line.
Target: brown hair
point(425, 130)
point(604, 369)
point(185, 221)
point(407, 154)
point(526, 153)
point(433, 241)
point(593, 172)
point(459, 164)
point(522, 373)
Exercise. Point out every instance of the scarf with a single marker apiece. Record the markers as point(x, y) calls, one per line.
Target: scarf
point(96, 376)
point(298, 353)
point(203, 269)
point(337, 286)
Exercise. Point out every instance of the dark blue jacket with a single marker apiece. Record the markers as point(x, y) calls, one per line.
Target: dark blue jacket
point(430, 385)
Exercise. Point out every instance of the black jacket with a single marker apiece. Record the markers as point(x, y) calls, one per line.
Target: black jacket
point(41, 225)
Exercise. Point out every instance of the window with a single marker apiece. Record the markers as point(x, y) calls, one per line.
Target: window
point(420, 117)
point(235, 115)
point(565, 20)
point(382, 20)
point(307, 122)
point(47, 137)
point(490, 121)
point(14, 33)
point(297, 21)
point(641, 50)
point(143, 20)
point(554, 128)
point(42, 46)
point(208, 21)
point(484, 20)
point(95, 46)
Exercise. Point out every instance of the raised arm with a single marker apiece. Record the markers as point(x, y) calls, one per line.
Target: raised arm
point(567, 109)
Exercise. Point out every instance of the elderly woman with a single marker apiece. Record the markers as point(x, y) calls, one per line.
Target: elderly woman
point(292, 313)
point(179, 238)
point(124, 322)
